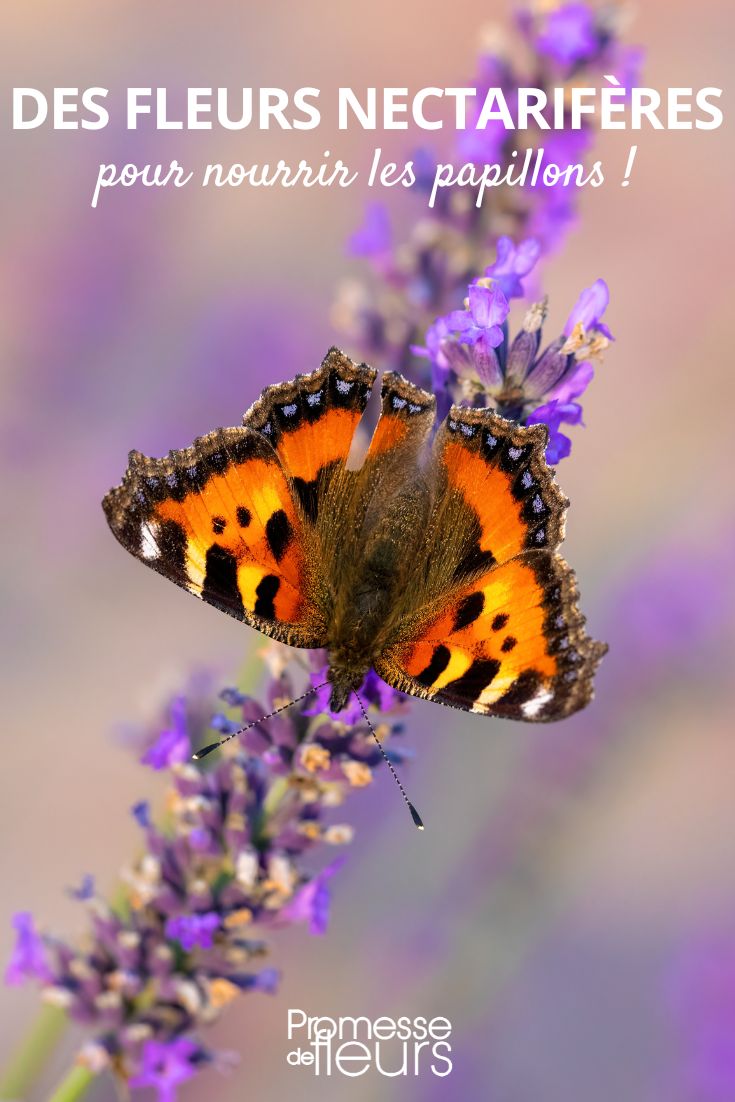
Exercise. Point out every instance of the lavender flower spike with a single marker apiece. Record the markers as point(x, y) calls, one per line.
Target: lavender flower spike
point(422, 274)
point(185, 935)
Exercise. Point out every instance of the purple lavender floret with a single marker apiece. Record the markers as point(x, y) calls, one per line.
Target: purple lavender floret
point(29, 959)
point(193, 930)
point(372, 691)
point(311, 903)
point(165, 1066)
point(481, 322)
point(553, 415)
point(173, 745)
point(512, 264)
point(589, 309)
point(85, 890)
point(568, 38)
point(568, 35)
point(141, 812)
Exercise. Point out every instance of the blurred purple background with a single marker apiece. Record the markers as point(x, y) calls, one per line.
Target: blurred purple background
point(565, 869)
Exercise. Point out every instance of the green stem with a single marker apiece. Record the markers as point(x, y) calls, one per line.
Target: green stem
point(74, 1085)
point(33, 1053)
point(275, 794)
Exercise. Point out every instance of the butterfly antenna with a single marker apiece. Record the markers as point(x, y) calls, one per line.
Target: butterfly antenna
point(220, 742)
point(414, 813)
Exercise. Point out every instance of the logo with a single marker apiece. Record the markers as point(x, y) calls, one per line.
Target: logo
point(353, 1046)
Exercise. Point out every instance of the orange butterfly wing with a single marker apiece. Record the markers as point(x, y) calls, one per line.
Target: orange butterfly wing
point(502, 633)
point(232, 518)
point(310, 423)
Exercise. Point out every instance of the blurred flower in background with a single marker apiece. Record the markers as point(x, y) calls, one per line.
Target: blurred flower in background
point(702, 1005)
point(177, 945)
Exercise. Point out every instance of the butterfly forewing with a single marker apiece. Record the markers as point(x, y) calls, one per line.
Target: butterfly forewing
point(220, 519)
point(235, 519)
point(311, 422)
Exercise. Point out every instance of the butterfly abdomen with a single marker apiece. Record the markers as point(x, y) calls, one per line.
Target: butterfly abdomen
point(369, 602)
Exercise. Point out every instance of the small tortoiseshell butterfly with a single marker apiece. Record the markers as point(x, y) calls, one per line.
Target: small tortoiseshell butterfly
point(440, 570)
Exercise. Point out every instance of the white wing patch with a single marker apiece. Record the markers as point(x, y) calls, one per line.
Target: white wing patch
point(149, 532)
point(533, 706)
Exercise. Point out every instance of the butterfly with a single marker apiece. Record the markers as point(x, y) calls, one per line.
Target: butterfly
point(435, 562)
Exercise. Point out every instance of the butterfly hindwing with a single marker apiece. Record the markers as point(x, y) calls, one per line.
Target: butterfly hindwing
point(511, 643)
point(220, 519)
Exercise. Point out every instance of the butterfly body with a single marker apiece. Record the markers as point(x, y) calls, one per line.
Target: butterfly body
point(367, 608)
point(434, 563)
